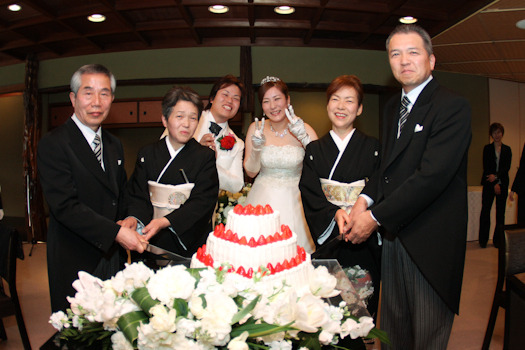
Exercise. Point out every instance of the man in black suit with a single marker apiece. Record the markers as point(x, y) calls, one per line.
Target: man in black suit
point(518, 186)
point(419, 198)
point(82, 171)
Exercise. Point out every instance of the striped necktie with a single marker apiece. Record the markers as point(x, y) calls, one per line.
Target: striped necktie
point(98, 148)
point(403, 114)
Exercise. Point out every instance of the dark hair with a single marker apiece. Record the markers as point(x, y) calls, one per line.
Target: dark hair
point(412, 28)
point(279, 84)
point(496, 126)
point(222, 83)
point(176, 94)
point(342, 81)
point(76, 79)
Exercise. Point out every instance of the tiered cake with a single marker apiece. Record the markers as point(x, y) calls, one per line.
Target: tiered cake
point(255, 241)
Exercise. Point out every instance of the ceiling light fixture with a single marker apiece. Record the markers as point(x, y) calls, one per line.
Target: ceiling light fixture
point(408, 20)
point(521, 24)
point(218, 9)
point(284, 10)
point(14, 7)
point(96, 17)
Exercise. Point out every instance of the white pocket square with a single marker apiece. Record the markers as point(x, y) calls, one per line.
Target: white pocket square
point(418, 128)
point(119, 162)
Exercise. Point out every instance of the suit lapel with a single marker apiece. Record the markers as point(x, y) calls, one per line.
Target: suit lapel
point(85, 154)
point(416, 117)
point(111, 161)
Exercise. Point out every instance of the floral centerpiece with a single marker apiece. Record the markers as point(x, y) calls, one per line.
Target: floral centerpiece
point(227, 201)
point(362, 282)
point(180, 308)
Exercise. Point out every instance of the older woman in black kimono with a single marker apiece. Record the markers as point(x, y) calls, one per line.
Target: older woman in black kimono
point(174, 187)
point(335, 170)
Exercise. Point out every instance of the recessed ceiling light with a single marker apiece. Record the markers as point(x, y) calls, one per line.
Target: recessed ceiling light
point(408, 20)
point(14, 7)
point(218, 9)
point(97, 17)
point(284, 10)
point(521, 24)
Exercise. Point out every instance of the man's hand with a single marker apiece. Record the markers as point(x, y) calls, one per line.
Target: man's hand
point(361, 227)
point(208, 140)
point(130, 239)
point(129, 222)
point(511, 196)
point(154, 227)
point(497, 189)
point(491, 178)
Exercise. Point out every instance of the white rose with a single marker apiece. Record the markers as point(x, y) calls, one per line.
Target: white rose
point(322, 283)
point(311, 313)
point(281, 345)
point(120, 342)
point(239, 343)
point(171, 282)
point(163, 320)
point(196, 306)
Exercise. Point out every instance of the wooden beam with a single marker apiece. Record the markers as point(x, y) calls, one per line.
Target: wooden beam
point(35, 217)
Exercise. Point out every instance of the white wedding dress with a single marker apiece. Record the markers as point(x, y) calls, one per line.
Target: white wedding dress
point(277, 184)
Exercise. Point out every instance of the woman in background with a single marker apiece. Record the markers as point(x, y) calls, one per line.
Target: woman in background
point(275, 155)
point(495, 180)
point(335, 170)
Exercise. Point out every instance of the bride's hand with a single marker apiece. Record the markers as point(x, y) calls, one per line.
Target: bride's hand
point(296, 126)
point(258, 138)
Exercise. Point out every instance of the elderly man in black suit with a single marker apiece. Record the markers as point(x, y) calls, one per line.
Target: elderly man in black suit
point(81, 167)
point(419, 198)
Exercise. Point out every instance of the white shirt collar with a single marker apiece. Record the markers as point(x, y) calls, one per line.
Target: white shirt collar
point(211, 118)
point(341, 144)
point(88, 133)
point(414, 93)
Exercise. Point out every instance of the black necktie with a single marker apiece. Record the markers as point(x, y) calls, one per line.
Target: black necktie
point(403, 114)
point(215, 128)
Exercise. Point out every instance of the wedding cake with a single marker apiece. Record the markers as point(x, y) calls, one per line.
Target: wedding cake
point(254, 241)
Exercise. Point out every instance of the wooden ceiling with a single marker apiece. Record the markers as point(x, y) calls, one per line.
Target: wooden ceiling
point(467, 40)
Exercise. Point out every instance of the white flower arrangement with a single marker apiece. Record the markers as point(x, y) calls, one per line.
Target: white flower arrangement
point(362, 282)
point(228, 200)
point(180, 308)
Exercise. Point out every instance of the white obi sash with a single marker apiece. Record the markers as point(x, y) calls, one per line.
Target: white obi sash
point(342, 194)
point(167, 198)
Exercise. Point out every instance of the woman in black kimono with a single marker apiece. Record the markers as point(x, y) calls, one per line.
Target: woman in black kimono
point(335, 170)
point(174, 187)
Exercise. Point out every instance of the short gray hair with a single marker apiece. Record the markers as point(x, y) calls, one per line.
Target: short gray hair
point(76, 79)
point(412, 28)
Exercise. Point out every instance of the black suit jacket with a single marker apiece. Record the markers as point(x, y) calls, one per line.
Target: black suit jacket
point(489, 165)
point(84, 204)
point(192, 221)
point(420, 190)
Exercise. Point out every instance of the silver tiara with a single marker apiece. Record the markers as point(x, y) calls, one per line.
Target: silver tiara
point(269, 79)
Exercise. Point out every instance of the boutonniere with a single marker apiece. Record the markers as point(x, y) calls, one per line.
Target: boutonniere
point(227, 142)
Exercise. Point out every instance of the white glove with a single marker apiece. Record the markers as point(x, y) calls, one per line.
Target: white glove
point(1, 214)
point(253, 163)
point(296, 126)
point(258, 138)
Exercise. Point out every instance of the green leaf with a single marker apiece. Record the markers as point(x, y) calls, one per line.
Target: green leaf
point(129, 323)
point(246, 310)
point(195, 273)
point(379, 334)
point(142, 297)
point(181, 306)
point(310, 340)
point(260, 329)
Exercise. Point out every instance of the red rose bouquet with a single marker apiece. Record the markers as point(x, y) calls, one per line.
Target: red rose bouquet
point(227, 142)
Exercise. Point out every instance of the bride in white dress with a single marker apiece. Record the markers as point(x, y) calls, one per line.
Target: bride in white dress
point(275, 155)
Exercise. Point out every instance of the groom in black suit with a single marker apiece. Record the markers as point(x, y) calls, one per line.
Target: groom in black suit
point(419, 198)
point(82, 171)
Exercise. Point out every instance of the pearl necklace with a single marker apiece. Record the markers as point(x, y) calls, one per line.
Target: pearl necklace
point(283, 134)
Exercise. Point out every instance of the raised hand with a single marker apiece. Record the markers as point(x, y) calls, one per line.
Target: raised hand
point(296, 126)
point(258, 138)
